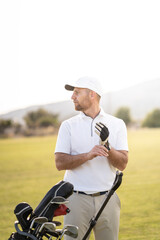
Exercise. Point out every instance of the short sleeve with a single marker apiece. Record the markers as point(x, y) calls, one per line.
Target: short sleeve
point(122, 142)
point(63, 143)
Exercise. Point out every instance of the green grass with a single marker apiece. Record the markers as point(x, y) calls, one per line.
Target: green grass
point(140, 191)
point(27, 172)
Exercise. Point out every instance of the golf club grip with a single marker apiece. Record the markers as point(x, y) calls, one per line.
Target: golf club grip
point(117, 181)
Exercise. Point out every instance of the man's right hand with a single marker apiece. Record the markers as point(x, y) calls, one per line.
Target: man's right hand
point(98, 150)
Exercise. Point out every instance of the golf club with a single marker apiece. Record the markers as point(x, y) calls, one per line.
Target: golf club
point(69, 230)
point(38, 220)
point(115, 186)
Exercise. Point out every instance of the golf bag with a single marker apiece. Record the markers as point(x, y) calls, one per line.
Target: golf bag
point(53, 204)
point(39, 223)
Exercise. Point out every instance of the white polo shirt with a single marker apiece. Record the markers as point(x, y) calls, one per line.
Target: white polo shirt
point(77, 135)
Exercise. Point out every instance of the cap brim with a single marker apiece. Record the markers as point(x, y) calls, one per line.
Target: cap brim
point(69, 87)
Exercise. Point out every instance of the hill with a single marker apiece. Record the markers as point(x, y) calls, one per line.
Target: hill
point(141, 99)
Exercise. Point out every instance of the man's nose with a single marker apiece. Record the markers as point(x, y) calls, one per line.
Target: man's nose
point(73, 96)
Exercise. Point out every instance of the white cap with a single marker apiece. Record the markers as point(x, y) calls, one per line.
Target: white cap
point(86, 82)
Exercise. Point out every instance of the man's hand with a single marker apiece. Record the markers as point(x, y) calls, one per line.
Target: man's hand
point(66, 161)
point(98, 150)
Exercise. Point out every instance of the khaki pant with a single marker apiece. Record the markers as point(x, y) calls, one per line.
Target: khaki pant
point(84, 207)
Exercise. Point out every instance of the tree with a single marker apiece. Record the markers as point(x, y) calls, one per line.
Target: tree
point(152, 120)
point(4, 124)
point(41, 118)
point(124, 114)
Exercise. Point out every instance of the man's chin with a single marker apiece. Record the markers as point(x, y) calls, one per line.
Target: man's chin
point(77, 107)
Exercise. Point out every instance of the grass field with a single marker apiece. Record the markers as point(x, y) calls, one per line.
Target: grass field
point(27, 172)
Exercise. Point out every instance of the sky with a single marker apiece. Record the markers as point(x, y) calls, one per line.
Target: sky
point(45, 44)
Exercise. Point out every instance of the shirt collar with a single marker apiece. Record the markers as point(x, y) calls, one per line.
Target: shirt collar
point(101, 113)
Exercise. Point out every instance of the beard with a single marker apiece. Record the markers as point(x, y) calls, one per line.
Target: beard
point(78, 107)
point(82, 106)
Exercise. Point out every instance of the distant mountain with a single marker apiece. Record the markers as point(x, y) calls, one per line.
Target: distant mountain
point(64, 109)
point(141, 99)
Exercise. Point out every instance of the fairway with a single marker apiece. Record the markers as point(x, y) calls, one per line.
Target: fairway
point(27, 172)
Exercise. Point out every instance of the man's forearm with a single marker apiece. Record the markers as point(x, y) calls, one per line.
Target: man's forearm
point(66, 161)
point(118, 158)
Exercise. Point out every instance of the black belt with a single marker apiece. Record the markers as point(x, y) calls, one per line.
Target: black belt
point(92, 194)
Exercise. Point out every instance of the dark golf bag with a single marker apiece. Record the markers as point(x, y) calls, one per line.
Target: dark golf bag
point(39, 223)
point(50, 206)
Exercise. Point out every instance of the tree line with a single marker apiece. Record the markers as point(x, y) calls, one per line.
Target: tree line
point(152, 119)
point(42, 122)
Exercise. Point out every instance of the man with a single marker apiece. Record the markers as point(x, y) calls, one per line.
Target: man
point(89, 165)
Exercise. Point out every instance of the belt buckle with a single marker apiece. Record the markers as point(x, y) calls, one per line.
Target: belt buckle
point(96, 194)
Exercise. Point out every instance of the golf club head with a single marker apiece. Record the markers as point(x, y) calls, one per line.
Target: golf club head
point(71, 230)
point(50, 226)
point(38, 220)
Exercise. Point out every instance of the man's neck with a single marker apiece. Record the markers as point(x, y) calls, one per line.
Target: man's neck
point(92, 112)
